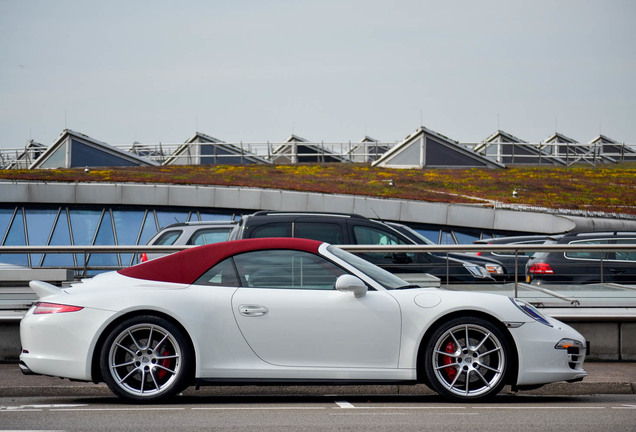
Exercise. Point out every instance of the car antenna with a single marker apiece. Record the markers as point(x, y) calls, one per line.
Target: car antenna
point(376, 215)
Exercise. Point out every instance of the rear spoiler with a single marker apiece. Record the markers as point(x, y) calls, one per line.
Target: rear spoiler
point(44, 289)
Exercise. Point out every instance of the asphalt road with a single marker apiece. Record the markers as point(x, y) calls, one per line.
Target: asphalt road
point(615, 413)
point(604, 401)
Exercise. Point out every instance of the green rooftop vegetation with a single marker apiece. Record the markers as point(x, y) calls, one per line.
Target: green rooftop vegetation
point(605, 188)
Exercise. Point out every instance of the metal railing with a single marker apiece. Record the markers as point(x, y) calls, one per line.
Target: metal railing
point(597, 302)
point(551, 153)
point(517, 250)
point(79, 249)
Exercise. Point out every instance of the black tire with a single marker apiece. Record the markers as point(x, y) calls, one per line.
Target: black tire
point(463, 371)
point(146, 359)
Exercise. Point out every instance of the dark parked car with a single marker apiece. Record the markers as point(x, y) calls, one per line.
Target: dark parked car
point(341, 229)
point(507, 258)
point(188, 233)
point(494, 267)
point(580, 267)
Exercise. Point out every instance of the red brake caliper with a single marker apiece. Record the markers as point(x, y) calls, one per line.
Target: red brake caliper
point(165, 363)
point(451, 372)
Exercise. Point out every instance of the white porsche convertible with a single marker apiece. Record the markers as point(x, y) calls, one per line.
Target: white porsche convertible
point(276, 311)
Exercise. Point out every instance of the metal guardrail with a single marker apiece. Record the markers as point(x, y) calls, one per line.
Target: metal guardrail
point(559, 299)
point(352, 248)
point(87, 251)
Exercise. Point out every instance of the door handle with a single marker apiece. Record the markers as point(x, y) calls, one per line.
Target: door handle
point(253, 310)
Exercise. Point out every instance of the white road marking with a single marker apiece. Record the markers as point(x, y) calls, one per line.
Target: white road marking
point(625, 407)
point(366, 414)
point(257, 408)
point(538, 407)
point(414, 407)
point(21, 410)
point(340, 405)
point(38, 407)
point(118, 409)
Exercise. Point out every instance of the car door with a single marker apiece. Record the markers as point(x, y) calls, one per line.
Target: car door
point(584, 266)
point(290, 314)
point(622, 267)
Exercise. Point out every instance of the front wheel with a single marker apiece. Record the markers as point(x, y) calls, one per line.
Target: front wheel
point(146, 359)
point(467, 359)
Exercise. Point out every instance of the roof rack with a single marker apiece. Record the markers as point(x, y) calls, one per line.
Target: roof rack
point(307, 213)
point(191, 223)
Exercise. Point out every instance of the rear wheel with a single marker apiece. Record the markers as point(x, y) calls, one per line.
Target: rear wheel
point(146, 358)
point(467, 359)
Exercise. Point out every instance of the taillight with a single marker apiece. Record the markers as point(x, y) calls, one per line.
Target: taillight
point(479, 253)
point(51, 308)
point(540, 268)
point(143, 257)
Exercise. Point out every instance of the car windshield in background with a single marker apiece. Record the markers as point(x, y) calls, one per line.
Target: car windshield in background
point(209, 235)
point(543, 254)
point(168, 238)
point(386, 279)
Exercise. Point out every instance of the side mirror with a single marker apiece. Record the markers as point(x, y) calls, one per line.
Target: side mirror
point(350, 283)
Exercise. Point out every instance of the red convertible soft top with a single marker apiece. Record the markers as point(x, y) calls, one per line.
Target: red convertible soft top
point(187, 265)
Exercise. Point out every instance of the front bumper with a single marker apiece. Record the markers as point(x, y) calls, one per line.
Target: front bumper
point(540, 362)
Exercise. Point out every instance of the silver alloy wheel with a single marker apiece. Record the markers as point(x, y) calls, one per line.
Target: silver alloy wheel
point(469, 360)
point(145, 360)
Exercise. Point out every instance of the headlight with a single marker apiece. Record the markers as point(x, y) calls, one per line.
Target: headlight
point(477, 271)
point(494, 269)
point(531, 311)
point(569, 343)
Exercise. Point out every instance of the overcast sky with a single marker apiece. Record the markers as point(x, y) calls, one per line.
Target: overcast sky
point(327, 70)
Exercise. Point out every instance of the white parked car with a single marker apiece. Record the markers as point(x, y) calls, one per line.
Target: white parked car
point(280, 310)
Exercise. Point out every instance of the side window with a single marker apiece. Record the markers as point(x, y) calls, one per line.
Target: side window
point(366, 235)
point(282, 229)
point(374, 236)
point(168, 238)
point(588, 255)
point(222, 274)
point(327, 232)
point(209, 235)
point(286, 269)
point(627, 255)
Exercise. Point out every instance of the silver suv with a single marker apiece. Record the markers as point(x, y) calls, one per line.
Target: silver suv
point(188, 233)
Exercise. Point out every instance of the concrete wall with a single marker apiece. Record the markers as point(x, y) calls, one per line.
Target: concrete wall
point(609, 340)
point(9, 341)
point(470, 216)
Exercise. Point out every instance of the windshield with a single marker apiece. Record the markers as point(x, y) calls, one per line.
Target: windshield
point(420, 237)
point(383, 277)
point(539, 255)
